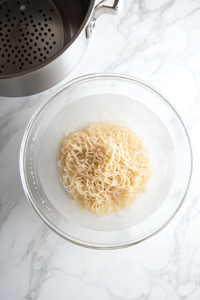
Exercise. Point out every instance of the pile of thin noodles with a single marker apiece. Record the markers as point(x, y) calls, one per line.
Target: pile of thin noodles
point(104, 167)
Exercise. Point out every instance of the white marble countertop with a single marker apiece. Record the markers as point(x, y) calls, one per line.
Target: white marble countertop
point(159, 42)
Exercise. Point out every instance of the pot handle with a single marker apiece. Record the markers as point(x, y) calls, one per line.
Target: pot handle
point(101, 9)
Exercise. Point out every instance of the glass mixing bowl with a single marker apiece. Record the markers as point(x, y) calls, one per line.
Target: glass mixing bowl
point(106, 97)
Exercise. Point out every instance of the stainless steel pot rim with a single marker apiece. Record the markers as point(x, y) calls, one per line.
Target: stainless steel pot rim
point(29, 196)
point(59, 53)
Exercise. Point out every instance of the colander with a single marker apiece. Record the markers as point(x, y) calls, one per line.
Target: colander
point(42, 41)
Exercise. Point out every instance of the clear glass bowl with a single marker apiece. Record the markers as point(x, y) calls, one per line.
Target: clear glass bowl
point(106, 97)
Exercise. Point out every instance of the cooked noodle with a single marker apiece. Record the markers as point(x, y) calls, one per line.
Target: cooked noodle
point(104, 167)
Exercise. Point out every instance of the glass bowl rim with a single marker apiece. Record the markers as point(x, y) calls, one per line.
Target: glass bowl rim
point(65, 86)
